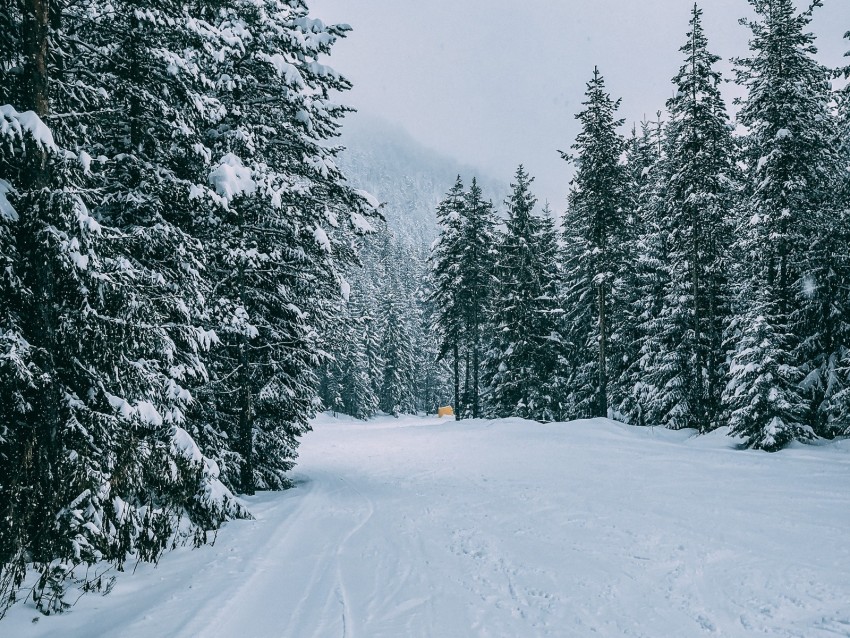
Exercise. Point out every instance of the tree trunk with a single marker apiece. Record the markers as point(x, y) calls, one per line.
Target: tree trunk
point(246, 425)
point(466, 383)
point(36, 29)
point(457, 380)
point(602, 402)
point(475, 373)
point(246, 417)
point(41, 451)
point(697, 411)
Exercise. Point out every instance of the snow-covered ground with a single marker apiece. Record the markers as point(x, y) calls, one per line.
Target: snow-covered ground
point(420, 527)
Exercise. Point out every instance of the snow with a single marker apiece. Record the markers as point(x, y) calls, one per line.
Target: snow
point(344, 289)
point(370, 199)
point(361, 224)
point(185, 444)
point(289, 72)
point(145, 410)
point(232, 178)
point(15, 124)
point(148, 413)
point(322, 239)
point(810, 286)
point(6, 209)
point(85, 161)
point(426, 527)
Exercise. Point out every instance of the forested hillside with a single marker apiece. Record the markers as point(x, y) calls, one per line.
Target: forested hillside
point(409, 178)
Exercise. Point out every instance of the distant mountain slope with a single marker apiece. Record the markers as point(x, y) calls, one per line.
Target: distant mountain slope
point(405, 175)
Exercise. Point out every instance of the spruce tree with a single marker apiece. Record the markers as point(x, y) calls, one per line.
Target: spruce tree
point(596, 228)
point(278, 232)
point(445, 294)
point(524, 344)
point(696, 203)
point(100, 346)
point(838, 406)
point(476, 259)
point(647, 170)
point(396, 395)
point(551, 396)
point(783, 227)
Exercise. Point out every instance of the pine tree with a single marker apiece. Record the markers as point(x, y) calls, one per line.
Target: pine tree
point(697, 200)
point(278, 232)
point(97, 339)
point(647, 169)
point(396, 395)
point(551, 396)
point(433, 374)
point(523, 352)
point(446, 284)
point(834, 413)
point(596, 228)
point(358, 398)
point(477, 256)
point(781, 229)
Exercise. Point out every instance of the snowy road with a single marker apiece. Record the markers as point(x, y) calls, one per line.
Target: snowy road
point(509, 529)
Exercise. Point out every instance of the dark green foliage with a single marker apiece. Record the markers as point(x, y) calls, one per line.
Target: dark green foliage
point(525, 349)
point(596, 233)
point(784, 229)
point(170, 250)
point(696, 196)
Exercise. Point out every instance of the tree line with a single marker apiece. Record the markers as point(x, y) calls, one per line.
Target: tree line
point(384, 353)
point(173, 235)
point(700, 277)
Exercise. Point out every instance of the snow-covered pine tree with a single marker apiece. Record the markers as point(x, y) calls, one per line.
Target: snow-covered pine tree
point(780, 323)
point(697, 196)
point(279, 229)
point(596, 229)
point(351, 367)
point(837, 410)
point(432, 374)
point(476, 259)
point(445, 264)
point(94, 372)
point(552, 395)
point(523, 352)
point(649, 276)
point(396, 395)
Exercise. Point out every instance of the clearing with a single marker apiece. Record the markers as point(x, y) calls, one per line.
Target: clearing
point(422, 527)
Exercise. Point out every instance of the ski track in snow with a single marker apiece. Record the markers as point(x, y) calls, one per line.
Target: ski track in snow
point(422, 528)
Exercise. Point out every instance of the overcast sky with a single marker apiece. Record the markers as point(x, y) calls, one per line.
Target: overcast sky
point(497, 82)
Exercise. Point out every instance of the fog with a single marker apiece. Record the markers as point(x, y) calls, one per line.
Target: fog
point(494, 83)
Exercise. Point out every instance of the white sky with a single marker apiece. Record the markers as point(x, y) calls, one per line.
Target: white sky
point(497, 82)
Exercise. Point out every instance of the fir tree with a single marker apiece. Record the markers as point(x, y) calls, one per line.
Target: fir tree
point(552, 394)
point(596, 227)
point(446, 284)
point(281, 218)
point(396, 396)
point(98, 343)
point(646, 166)
point(523, 353)
point(477, 248)
point(697, 199)
point(781, 230)
point(838, 406)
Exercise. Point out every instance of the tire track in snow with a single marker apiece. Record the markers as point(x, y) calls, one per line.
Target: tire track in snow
point(282, 571)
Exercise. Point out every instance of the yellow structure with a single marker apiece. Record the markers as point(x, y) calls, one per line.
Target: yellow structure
point(446, 411)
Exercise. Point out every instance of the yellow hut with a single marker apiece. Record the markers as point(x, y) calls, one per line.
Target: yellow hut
point(446, 411)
